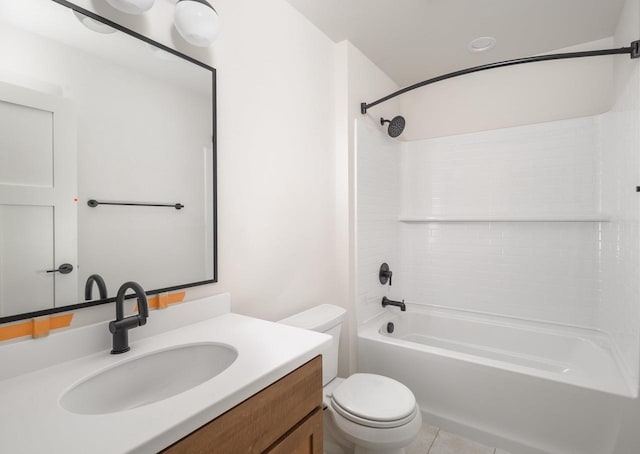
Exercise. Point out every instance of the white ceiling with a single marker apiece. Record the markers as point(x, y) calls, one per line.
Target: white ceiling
point(413, 40)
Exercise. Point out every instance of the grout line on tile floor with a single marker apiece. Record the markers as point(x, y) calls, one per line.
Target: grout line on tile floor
point(434, 440)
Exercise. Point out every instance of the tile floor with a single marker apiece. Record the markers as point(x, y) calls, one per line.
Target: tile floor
point(435, 441)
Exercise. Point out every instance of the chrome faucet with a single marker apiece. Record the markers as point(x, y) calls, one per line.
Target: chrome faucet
point(88, 287)
point(120, 326)
point(387, 302)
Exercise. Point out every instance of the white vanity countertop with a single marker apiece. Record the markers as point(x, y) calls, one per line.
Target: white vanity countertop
point(32, 420)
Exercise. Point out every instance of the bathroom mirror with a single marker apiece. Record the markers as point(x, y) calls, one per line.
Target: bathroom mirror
point(107, 161)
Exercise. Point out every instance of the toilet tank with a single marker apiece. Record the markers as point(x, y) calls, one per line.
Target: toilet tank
point(325, 318)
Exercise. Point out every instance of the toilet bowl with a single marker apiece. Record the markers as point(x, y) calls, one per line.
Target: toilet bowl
point(363, 413)
point(368, 413)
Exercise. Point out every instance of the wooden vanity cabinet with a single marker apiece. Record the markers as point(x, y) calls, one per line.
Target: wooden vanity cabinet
point(283, 418)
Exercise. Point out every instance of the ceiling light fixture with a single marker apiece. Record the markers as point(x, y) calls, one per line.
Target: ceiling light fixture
point(131, 6)
point(93, 24)
point(197, 22)
point(482, 44)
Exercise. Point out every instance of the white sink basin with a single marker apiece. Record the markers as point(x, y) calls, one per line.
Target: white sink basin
point(147, 379)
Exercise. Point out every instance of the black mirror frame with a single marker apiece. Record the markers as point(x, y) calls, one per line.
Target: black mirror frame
point(71, 307)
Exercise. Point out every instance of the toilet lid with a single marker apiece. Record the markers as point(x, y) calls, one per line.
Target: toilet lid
point(374, 398)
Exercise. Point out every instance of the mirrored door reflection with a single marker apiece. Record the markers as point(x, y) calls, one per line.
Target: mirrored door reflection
point(38, 209)
point(89, 112)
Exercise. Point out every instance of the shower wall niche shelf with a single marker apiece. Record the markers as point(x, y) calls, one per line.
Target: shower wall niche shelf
point(507, 218)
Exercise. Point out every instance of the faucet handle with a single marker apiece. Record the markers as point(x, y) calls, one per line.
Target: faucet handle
point(124, 324)
point(143, 307)
point(385, 274)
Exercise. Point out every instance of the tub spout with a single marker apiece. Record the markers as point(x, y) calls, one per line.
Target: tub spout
point(387, 302)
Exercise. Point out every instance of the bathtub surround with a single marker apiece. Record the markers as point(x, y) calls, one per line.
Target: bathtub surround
point(618, 310)
point(356, 78)
point(545, 271)
point(378, 208)
point(620, 284)
point(536, 270)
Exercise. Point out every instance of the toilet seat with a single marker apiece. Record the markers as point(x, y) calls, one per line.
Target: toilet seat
point(374, 401)
point(372, 423)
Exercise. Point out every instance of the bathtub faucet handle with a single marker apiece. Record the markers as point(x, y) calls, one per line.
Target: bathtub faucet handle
point(385, 274)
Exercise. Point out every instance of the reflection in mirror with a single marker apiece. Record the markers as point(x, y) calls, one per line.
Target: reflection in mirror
point(89, 112)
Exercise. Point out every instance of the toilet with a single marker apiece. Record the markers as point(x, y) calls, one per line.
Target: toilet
point(364, 413)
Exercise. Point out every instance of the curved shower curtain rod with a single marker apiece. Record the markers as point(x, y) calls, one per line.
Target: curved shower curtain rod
point(633, 50)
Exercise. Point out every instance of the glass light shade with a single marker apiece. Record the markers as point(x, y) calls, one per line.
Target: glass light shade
point(131, 6)
point(93, 24)
point(197, 22)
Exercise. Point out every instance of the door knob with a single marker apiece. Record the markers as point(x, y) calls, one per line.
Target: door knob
point(65, 268)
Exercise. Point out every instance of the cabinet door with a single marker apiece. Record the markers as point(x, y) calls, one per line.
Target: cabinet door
point(306, 438)
point(262, 421)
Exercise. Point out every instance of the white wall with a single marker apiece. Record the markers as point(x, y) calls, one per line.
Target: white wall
point(516, 95)
point(276, 181)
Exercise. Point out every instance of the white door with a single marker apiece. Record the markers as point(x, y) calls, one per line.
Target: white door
point(38, 206)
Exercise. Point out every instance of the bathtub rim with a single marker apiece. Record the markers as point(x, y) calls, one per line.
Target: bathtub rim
point(370, 330)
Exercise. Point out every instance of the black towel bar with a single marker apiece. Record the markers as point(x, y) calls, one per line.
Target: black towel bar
point(94, 203)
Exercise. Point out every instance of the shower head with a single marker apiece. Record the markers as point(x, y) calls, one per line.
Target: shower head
point(396, 125)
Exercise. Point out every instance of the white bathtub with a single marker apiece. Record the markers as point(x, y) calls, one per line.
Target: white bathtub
point(529, 387)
